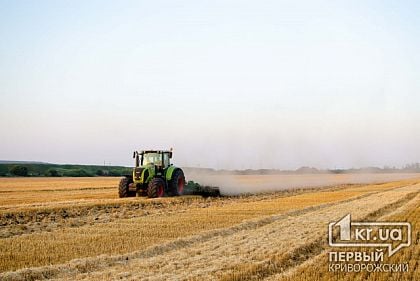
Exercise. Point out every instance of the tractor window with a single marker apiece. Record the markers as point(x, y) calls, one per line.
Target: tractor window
point(152, 158)
point(165, 159)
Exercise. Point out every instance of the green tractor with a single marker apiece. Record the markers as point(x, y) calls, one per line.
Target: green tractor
point(153, 176)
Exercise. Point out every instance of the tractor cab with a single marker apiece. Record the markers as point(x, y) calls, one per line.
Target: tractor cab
point(159, 158)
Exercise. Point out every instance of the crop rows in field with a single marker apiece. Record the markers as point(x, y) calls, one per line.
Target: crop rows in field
point(311, 269)
point(35, 192)
point(257, 250)
point(122, 235)
point(238, 237)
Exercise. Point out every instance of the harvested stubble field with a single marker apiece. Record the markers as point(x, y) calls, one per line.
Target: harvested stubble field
point(77, 229)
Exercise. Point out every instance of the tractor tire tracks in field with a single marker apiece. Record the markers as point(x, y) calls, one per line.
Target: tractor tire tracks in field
point(47, 219)
point(310, 269)
point(251, 250)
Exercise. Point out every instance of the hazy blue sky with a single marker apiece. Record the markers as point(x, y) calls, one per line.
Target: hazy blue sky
point(228, 84)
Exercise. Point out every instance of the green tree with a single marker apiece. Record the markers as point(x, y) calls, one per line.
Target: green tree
point(77, 173)
point(52, 173)
point(100, 173)
point(19, 171)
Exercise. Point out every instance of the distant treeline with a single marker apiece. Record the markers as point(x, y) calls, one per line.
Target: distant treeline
point(55, 170)
point(24, 169)
point(410, 168)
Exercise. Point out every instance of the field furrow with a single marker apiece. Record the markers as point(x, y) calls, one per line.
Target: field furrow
point(268, 231)
point(316, 268)
point(36, 219)
point(229, 257)
point(138, 233)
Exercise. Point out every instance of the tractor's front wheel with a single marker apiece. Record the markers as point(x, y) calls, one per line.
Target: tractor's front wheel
point(156, 188)
point(123, 190)
point(177, 183)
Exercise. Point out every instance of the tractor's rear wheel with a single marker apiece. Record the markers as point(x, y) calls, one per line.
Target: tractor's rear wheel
point(123, 190)
point(156, 188)
point(177, 183)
